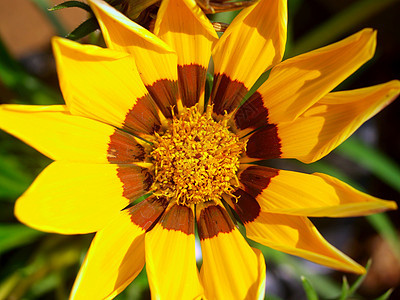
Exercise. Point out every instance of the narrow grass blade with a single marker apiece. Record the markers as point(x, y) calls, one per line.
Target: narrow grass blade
point(70, 4)
point(308, 288)
point(373, 160)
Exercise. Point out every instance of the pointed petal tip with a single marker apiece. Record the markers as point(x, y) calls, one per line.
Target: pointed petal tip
point(116, 26)
point(65, 47)
point(358, 269)
point(395, 86)
point(103, 6)
point(98, 3)
point(391, 205)
point(107, 8)
point(369, 34)
point(57, 41)
point(350, 267)
point(195, 9)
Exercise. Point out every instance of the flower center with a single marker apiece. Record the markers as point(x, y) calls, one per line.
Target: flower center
point(196, 159)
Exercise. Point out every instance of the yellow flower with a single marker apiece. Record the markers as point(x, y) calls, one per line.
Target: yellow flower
point(136, 125)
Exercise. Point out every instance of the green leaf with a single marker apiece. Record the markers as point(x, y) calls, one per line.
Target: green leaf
point(345, 289)
point(84, 29)
point(54, 255)
point(384, 226)
point(310, 292)
point(68, 4)
point(13, 181)
point(28, 89)
point(386, 295)
point(16, 235)
point(354, 287)
point(10, 189)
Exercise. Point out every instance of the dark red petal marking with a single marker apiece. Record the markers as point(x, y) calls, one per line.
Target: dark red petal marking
point(213, 220)
point(178, 218)
point(142, 117)
point(252, 114)
point(226, 94)
point(123, 148)
point(145, 213)
point(191, 79)
point(246, 206)
point(136, 180)
point(256, 178)
point(264, 143)
point(164, 93)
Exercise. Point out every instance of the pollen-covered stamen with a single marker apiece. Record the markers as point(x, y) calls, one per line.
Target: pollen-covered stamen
point(196, 159)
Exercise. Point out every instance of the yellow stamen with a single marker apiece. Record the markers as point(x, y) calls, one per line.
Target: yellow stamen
point(196, 159)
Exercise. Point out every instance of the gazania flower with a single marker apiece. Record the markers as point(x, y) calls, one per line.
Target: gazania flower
point(141, 156)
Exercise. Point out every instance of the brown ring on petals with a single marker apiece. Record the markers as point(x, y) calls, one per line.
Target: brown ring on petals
point(245, 206)
point(178, 218)
point(252, 114)
point(136, 180)
point(264, 143)
point(212, 221)
point(142, 117)
point(123, 148)
point(146, 213)
point(191, 82)
point(226, 94)
point(164, 92)
point(255, 179)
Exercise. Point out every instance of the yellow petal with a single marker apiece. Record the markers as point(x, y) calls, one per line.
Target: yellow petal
point(155, 60)
point(59, 135)
point(231, 269)
point(116, 256)
point(105, 85)
point(297, 83)
point(170, 256)
point(316, 195)
point(332, 120)
point(72, 198)
point(253, 43)
point(185, 28)
point(298, 236)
